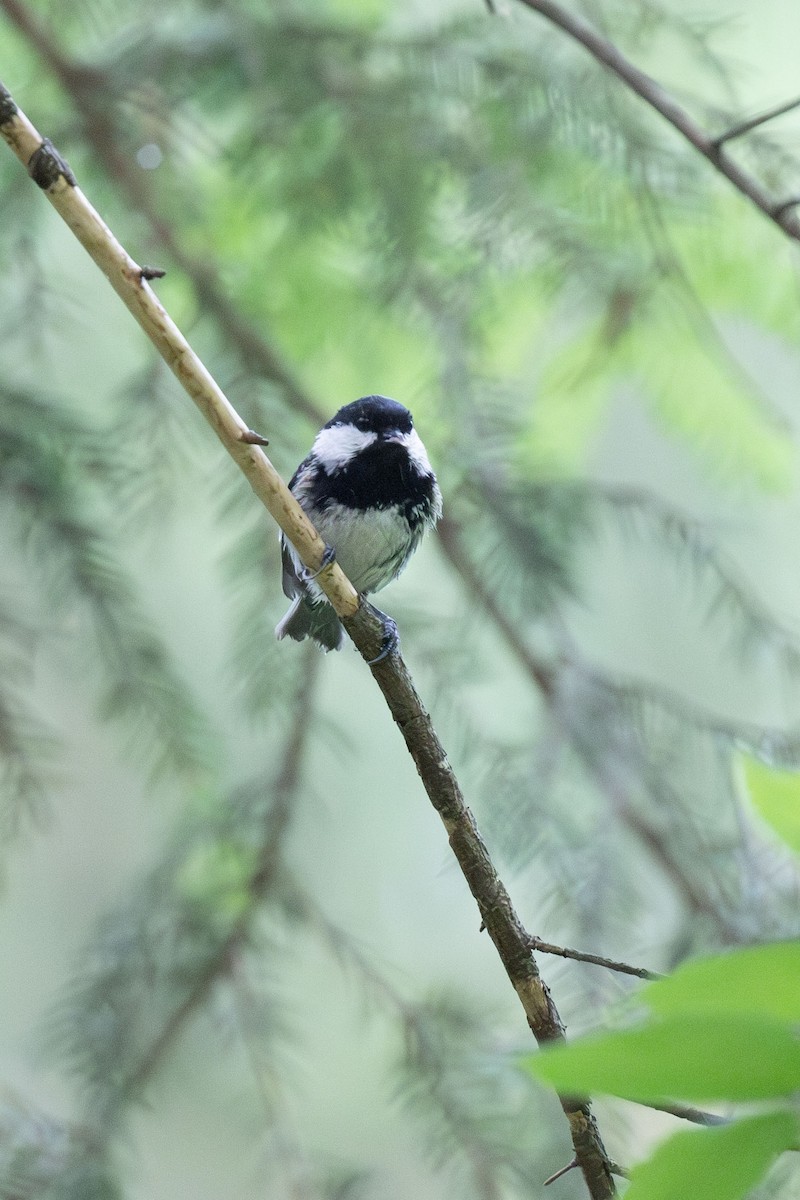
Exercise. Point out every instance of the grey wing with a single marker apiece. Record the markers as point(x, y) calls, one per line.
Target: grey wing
point(292, 585)
point(292, 580)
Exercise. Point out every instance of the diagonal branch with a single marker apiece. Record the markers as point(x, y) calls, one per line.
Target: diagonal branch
point(649, 90)
point(743, 127)
point(54, 176)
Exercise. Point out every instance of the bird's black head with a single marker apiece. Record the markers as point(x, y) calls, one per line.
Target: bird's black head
point(374, 414)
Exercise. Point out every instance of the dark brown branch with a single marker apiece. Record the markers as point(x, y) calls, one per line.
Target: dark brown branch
point(595, 959)
point(644, 86)
point(494, 903)
point(742, 127)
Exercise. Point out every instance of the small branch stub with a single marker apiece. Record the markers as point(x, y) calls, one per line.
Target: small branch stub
point(563, 1171)
point(251, 438)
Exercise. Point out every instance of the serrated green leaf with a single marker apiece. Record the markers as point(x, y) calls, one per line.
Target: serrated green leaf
point(776, 797)
point(696, 1057)
point(714, 1164)
point(760, 979)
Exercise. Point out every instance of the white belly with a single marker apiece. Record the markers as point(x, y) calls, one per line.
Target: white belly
point(371, 551)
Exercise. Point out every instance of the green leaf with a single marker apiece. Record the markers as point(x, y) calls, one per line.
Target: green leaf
point(714, 1164)
point(696, 1057)
point(776, 797)
point(759, 979)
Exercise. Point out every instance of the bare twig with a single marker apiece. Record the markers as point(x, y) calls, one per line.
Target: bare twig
point(562, 1171)
point(611, 57)
point(686, 1113)
point(597, 960)
point(391, 674)
point(742, 127)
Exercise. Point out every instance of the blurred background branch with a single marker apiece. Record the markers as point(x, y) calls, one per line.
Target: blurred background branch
point(711, 147)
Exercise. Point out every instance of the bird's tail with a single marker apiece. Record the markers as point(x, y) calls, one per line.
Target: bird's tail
point(317, 621)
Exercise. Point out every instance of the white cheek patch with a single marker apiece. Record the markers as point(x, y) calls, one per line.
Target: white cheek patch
point(417, 452)
point(335, 447)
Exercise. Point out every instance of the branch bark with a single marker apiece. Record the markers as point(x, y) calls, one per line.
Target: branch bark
point(648, 89)
point(53, 175)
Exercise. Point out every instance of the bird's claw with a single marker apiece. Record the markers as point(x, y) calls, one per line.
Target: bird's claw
point(328, 557)
point(390, 641)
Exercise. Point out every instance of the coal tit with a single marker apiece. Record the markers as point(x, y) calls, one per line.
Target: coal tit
point(368, 488)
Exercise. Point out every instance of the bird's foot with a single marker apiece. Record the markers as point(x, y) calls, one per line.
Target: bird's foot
point(328, 557)
point(390, 641)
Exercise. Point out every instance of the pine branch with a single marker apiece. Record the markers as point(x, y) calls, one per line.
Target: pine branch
point(54, 176)
point(652, 93)
point(85, 87)
point(443, 1064)
point(613, 782)
point(70, 554)
point(157, 958)
point(262, 882)
point(733, 591)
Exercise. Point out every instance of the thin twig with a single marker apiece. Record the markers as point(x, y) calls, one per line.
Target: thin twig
point(562, 1171)
point(611, 57)
point(596, 959)
point(686, 1113)
point(391, 674)
point(742, 127)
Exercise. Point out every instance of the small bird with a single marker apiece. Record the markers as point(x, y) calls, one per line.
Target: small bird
point(368, 488)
